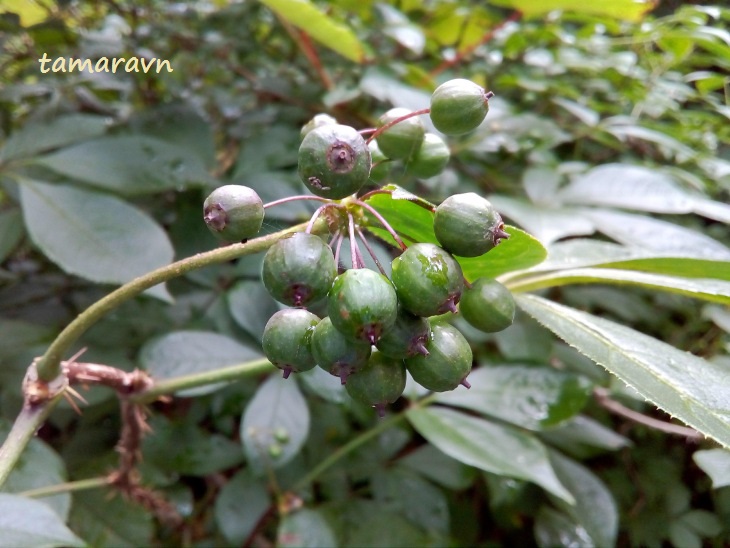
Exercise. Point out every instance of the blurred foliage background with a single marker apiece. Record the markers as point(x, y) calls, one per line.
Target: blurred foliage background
point(610, 122)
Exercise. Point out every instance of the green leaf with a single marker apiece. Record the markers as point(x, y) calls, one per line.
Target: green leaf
point(642, 231)
point(716, 464)
point(439, 467)
point(27, 522)
point(627, 186)
point(415, 224)
point(326, 386)
point(595, 508)
point(182, 447)
point(555, 528)
point(40, 466)
point(584, 437)
point(592, 253)
point(405, 492)
point(324, 29)
point(687, 387)
point(129, 165)
point(531, 397)
point(40, 137)
point(93, 235)
point(626, 10)
point(11, 232)
point(488, 446)
point(707, 289)
point(275, 424)
point(186, 352)
point(110, 521)
point(251, 306)
point(305, 528)
point(242, 502)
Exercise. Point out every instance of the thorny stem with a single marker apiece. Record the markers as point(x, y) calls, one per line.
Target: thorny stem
point(398, 120)
point(370, 250)
point(383, 222)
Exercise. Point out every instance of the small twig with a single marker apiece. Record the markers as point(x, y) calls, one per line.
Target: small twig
point(370, 250)
point(383, 222)
point(398, 120)
point(605, 401)
point(367, 130)
point(376, 191)
point(337, 250)
point(295, 198)
point(355, 256)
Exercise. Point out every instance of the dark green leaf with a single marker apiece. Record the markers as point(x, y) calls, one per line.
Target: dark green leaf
point(324, 29)
point(40, 137)
point(11, 232)
point(240, 505)
point(531, 397)
point(251, 306)
point(186, 352)
point(716, 464)
point(30, 523)
point(129, 165)
point(93, 235)
point(687, 387)
point(491, 447)
point(584, 437)
point(182, 447)
point(305, 528)
point(439, 467)
point(594, 509)
point(555, 528)
point(275, 423)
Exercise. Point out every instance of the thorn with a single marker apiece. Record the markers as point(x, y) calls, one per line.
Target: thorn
point(287, 371)
point(465, 383)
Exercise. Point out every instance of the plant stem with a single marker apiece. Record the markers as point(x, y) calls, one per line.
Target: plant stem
point(353, 444)
point(224, 374)
point(383, 222)
point(26, 424)
point(398, 120)
point(295, 199)
point(67, 487)
point(49, 366)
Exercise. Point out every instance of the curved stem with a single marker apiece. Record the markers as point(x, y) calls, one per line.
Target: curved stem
point(49, 366)
point(354, 249)
point(337, 250)
point(370, 251)
point(383, 222)
point(398, 120)
point(294, 199)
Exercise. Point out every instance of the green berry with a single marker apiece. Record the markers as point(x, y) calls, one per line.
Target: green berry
point(427, 279)
point(318, 121)
point(431, 158)
point(233, 213)
point(468, 225)
point(362, 305)
point(380, 382)
point(299, 269)
point(488, 305)
point(336, 354)
point(286, 340)
point(334, 161)
point(381, 163)
point(402, 140)
point(406, 338)
point(448, 362)
point(459, 106)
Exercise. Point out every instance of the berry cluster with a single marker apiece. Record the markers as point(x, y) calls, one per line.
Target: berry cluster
point(376, 328)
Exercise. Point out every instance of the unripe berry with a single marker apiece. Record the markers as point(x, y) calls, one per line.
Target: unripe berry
point(380, 382)
point(299, 270)
point(362, 305)
point(335, 353)
point(468, 225)
point(233, 213)
point(334, 161)
point(431, 158)
point(459, 106)
point(286, 340)
point(402, 140)
point(427, 279)
point(408, 336)
point(488, 305)
point(448, 362)
point(318, 121)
